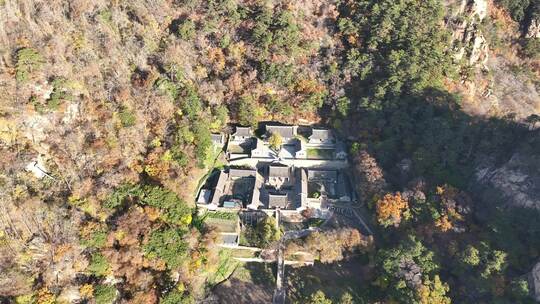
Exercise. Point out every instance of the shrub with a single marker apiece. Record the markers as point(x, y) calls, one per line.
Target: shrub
point(222, 215)
point(167, 87)
point(281, 73)
point(45, 296)
point(520, 288)
point(186, 30)
point(105, 16)
point(98, 265)
point(275, 141)
point(97, 239)
point(127, 117)
point(278, 106)
point(174, 209)
point(121, 193)
point(531, 48)
point(28, 61)
point(342, 105)
point(176, 297)
point(179, 156)
point(247, 111)
point(319, 298)
point(105, 294)
point(203, 140)
point(263, 233)
point(191, 104)
point(167, 244)
point(59, 94)
point(25, 299)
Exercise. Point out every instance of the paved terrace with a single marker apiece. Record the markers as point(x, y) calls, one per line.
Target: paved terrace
point(299, 163)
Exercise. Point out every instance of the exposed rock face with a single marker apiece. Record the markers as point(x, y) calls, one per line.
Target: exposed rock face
point(510, 87)
point(464, 20)
point(518, 180)
point(533, 31)
point(535, 282)
point(506, 92)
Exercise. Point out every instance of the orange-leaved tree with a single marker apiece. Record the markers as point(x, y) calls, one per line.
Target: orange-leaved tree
point(390, 209)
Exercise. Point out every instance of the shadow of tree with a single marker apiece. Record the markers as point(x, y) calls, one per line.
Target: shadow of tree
point(256, 287)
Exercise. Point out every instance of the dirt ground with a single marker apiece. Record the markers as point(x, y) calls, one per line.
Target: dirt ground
point(333, 279)
point(253, 283)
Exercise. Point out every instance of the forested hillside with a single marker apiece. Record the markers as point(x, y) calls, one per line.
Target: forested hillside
point(107, 107)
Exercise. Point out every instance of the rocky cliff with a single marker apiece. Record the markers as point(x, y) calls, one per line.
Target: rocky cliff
point(533, 29)
point(495, 80)
point(517, 180)
point(464, 19)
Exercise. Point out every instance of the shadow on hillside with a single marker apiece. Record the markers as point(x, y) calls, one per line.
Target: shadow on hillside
point(448, 146)
point(445, 144)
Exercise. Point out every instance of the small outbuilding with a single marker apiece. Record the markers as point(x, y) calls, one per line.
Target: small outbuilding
point(321, 136)
point(241, 134)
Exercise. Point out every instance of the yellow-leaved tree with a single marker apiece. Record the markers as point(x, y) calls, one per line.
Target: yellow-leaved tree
point(391, 209)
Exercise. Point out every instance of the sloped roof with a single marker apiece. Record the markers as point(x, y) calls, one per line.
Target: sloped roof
point(303, 181)
point(321, 134)
point(259, 145)
point(279, 171)
point(300, 144)
point(229, 239)
point(255, 195)
point(242, 131)
point(217, 138)
point(220, 187)
point(204, 196)
point(284, 131)
point(222, 179)
point(242, 172)
point(277, 200)
point(330, 175)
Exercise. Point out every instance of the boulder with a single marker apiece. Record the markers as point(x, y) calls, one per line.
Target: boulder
point(533, 30)
point(534, 277)
point(517, 180)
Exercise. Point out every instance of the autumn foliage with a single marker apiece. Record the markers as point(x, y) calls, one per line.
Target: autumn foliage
point(332, 245)
point(391, 209)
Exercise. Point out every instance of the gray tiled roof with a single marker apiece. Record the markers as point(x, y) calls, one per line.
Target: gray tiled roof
point(300, 144)
point(242, 172)
point(284, 131)
point(303, 181)
point(328, 175)
point(204, 196)
point(321, 134)
point(277, 200)
point(259, 145)
point(242, 131)
point(255, 195)
point(220, 187)
point(217, 138)
point(229, 239)
point(279, 171)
